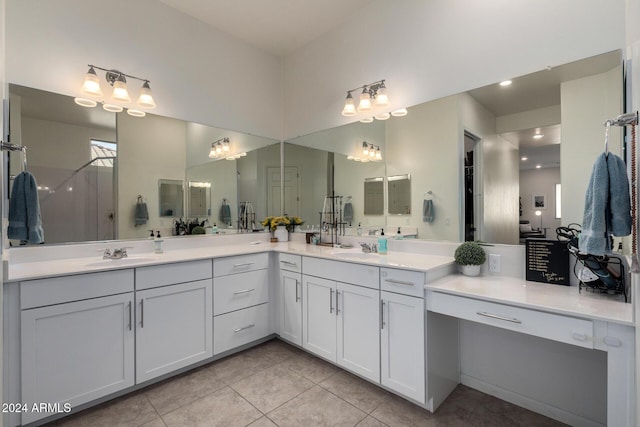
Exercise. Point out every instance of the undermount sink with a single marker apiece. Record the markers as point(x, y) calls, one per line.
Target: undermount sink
point(356, 255)
point(121, 261)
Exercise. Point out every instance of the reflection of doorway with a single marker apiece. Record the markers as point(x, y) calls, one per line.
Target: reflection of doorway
point(470, 172)
point(291, 198)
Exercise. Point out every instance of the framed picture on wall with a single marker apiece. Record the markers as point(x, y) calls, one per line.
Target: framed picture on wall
point(539, 201)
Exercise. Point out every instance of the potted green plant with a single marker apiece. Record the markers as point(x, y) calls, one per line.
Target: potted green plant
point(470, 256)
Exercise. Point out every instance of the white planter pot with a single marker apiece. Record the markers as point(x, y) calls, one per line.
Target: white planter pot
point(281, 234)
point(470, 270)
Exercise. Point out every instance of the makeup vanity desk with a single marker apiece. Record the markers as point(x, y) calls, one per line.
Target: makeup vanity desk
point(558, 313)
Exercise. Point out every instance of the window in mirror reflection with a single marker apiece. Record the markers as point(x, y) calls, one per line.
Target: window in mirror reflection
point(171, 198)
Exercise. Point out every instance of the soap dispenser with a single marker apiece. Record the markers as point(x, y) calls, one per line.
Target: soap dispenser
point(382, 243)
point(214, 229)
point(157, 242)
point(359, 229)
point(399, 235)
point(151, 236)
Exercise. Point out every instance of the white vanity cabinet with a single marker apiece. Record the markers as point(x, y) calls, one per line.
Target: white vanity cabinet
point(173, 317)
point(341, 314)
point(290, 295)
point(402, 344)
point(241, 296)
point(77, 339)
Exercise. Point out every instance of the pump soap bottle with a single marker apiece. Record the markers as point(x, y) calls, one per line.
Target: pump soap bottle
point(382, 243)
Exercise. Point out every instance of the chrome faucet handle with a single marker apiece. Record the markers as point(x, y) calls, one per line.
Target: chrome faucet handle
point(374, 248)
point(106, 253)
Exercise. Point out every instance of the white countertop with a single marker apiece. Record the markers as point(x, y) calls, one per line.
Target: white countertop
point(38, 269)
point(564, 300)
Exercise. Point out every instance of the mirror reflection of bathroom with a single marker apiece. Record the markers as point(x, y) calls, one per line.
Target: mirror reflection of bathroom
point(374, 196)
point(199, 199)
point(399, 194)
point(471, 186)
point(171, 198)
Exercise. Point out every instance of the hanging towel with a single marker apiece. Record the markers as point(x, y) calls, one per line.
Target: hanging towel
point(427, 211)
point(25, 221)
point(225, 212)
point(142, 212)
point(348, 212)
point(607, 207)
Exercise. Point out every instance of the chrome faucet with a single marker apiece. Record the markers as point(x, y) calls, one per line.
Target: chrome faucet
point(373, 232)
point(118, 253)
point(369, 247)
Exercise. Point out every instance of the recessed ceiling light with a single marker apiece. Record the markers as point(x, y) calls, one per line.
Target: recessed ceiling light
point(538, 136)
point(538, 166)
point(524, 159)
point(506, 83)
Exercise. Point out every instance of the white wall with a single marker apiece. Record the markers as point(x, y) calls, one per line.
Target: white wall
point(541, 181)
point(197, 73)
point(159, 145)
point(586, 104)
point(430, 49)
point(427, 144)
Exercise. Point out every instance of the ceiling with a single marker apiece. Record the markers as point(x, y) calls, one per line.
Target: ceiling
point(277, 26)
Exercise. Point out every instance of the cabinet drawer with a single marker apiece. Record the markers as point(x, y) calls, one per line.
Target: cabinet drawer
point(555, 327)
point(402, 281)
point(240, 327)
point(290, 262)
point(356, 274)
point(171, 274)
point(240, 264)
point(237, 291)
point(56, 290)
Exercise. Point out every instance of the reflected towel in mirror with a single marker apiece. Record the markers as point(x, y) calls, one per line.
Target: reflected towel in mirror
point(25, 222)
point(427, 211)
point(142, 212)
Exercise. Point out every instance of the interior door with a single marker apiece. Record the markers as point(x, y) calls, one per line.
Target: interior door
point(291, 197)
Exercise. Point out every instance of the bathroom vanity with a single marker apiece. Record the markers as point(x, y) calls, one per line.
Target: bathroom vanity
point(81, 331)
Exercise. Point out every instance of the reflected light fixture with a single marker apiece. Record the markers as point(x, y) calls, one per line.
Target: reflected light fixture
point(370, 152)
point(505, 83)
point(399, 113)
point(524, 158)
point(120, 96)
point(366, 120)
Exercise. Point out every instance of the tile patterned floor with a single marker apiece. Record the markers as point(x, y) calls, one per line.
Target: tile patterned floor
point(275, 384)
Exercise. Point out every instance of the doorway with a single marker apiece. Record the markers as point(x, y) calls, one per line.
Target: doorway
point(471, 183)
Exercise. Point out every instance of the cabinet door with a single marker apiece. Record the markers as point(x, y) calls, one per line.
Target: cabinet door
point(76, 352)
point(291, 309)
point(319, 317)
point(173, 328)
point(402, 345)
point(358, 311)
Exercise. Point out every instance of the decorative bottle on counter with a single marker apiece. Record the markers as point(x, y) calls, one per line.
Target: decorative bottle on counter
point(281, 233)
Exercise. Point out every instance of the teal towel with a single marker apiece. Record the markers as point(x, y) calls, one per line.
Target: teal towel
point(142, 213)
point(25, 221)
point(607, 208)
point(225, 213)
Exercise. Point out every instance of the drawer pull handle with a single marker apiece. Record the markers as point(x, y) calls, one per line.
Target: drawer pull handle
point(399, 282)
point(297, 292)
point(244, 328)
point(244, 264)
point(612, 341)
point(246, 291)
point(578, 336)
point(288, 263)
point(496, 316)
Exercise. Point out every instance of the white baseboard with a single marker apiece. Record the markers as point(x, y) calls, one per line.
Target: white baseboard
point(528, 403)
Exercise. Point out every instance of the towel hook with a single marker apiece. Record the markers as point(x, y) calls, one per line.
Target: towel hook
point(428, 194)
point(607, 126)
point(139, 198)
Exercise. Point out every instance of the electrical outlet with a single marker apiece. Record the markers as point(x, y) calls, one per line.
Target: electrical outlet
point(495, 264)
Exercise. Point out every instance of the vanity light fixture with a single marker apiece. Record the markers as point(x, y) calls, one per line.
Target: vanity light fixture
point(218, 147)
point(373, 94)
point(370, 152)
point(120, 94)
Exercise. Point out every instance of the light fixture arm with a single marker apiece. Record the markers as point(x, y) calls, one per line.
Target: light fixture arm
point(372, 88)
point(113, 75)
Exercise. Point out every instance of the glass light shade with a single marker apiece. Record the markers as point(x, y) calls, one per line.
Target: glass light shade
point(213, 154)
point(225, 146)
point(382, 99)
point(112, 108)
point(136, 113)
point(378, 155)
point(383, 116)
point(242, 154)
point(372, 153)
point(349, 106)
point(367, 120)
point(84, 102)
point(365, 102)
point(91, 85)
point(399, 113)
point(120, 92)
point(145, 99)
point(365, 151)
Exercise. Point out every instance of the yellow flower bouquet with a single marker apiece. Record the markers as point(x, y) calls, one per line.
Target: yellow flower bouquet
point(289, 222)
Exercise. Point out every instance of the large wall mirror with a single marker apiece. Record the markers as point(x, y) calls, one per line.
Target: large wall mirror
point(481, 157)
point(91, 165)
